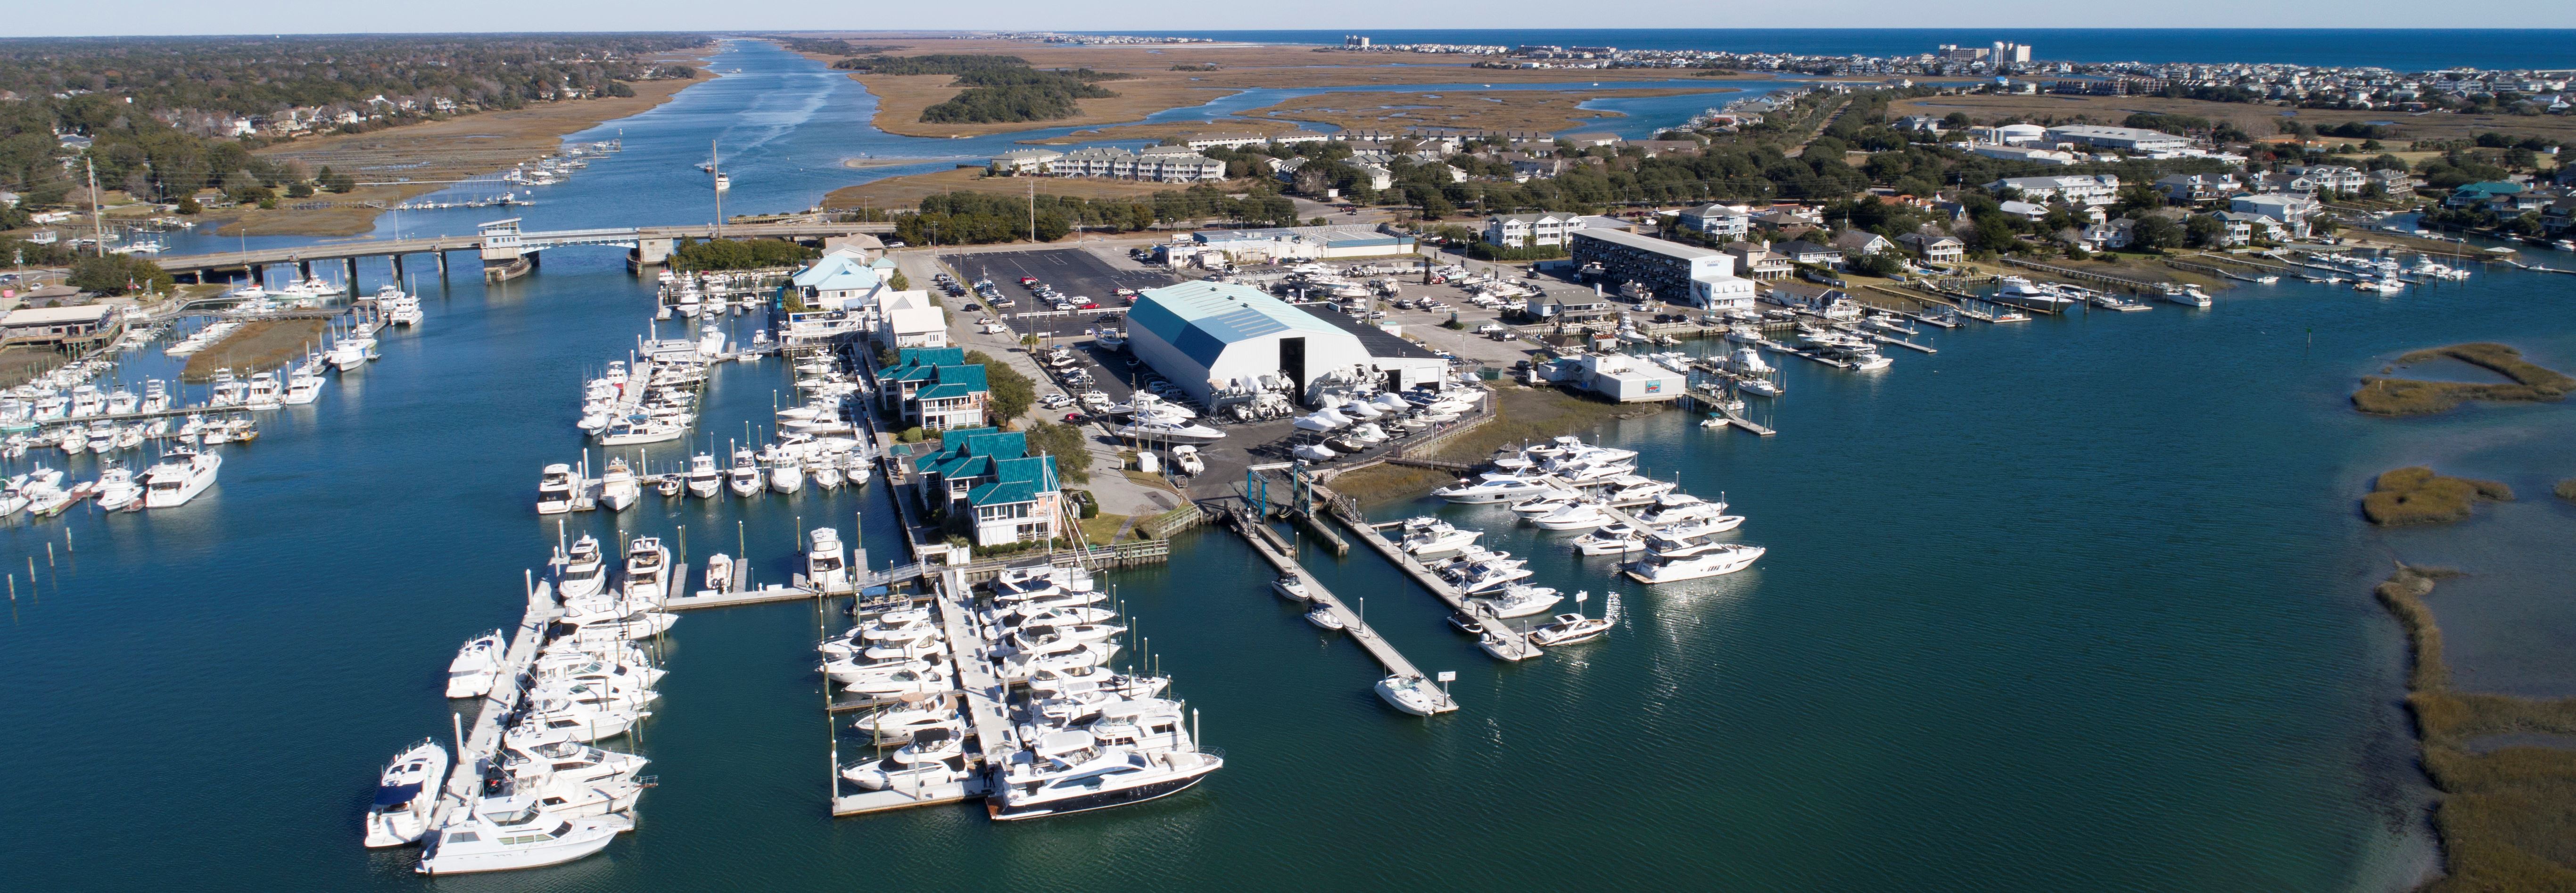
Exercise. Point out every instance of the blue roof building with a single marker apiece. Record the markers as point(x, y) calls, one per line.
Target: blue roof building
point(986, 481)
point(934, 387)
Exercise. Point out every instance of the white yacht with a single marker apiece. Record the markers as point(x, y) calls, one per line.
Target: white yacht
point(116, 489)
point(1413, 694)
point(1615, 539)
point(1568, 629)
point(399, 309)
point(511, 833)
point(1437, 538)
point(583, 573)
point(302, 387)
point(182, 474)
point(1579, 516)
point(1289, 586)
point(932, 757)
point(786, 474)
point(1723, 559)
point(617, 487)
point(2186, 297)
point(1521, 601)
point(405, 794)
point(476, 667)
point(1167, 430)
point(648, 567)
point(704, 478)
point(826, 563)
point(347, 355)
point(745, 476)
point(555, 489)
point(1492, 488)
point(1067, 772)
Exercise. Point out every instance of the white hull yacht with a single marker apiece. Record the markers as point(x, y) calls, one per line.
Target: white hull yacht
point(507, 834)
point(182, 475)
point(405, 795)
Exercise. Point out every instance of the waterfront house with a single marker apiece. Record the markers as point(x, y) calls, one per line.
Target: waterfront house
point(2332, 178)
point(2109, 235)
point(2480, 193)
point(984, 481)
point(1933, 249)
point(1856, 242)
point(1804, 252)
point(2198, 188)
point(934, 387)
point(843, 279)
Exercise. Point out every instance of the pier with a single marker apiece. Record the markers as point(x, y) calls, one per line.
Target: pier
point(982, 694)
point(1519, 647)
point(1266, 542)
point(506, 251)
point(465, 775)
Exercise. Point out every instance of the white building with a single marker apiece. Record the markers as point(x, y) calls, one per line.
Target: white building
point(1671, 271)
point(1628, 379)
point(1240, 140)
point(1211, 336)
point(2130, 138)
point(1721, 221)
point(911, 319)
point(2033, 154)
point(1525, 230)
point(1026, 161)
point(2093, 189)
point(1180, 166)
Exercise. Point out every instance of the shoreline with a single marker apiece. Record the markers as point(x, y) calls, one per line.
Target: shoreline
point(522, 134)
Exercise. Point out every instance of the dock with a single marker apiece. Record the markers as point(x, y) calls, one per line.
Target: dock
point(1900, 342)
point(483, 740)
point(1443, 590)
point(980, 690)
point(1267, 543)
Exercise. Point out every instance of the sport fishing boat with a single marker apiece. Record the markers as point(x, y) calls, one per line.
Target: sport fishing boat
point(744, 478)
point(617, 487)
point(704, 478)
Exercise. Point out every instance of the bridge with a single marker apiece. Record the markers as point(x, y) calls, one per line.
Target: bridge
point(506, 250)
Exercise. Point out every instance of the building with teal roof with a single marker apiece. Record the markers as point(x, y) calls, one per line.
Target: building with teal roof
point(985, 481)
point(935, 388)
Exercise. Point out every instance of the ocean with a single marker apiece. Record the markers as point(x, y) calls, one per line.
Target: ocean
point(2399, 49)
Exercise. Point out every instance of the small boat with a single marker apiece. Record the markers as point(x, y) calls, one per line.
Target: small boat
point(1324, 617)
point(1569, 629)
point(1413, 694)
point(719, 573)
point(1289, 586)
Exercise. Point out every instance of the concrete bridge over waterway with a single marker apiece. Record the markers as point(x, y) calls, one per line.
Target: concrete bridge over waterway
point(506, 251)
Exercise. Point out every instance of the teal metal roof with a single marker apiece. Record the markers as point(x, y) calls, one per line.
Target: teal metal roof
point(1015, 480)
point(1201, 319)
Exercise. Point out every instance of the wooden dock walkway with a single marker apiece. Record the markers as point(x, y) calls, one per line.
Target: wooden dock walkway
point(983, 696)
point(483, 739)
point(1448, 593)
point(1267, 543)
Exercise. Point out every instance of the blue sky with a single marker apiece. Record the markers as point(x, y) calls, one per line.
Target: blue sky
point(35, 18)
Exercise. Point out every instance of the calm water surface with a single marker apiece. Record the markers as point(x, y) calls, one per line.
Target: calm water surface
point(2074, 604)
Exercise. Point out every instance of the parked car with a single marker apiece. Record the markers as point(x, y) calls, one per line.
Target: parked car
point(1076, 418)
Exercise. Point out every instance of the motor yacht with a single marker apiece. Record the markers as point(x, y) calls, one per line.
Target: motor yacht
point(117, 490)
point(572, 799)
point(513, 833)
point(581, 572)
point(347, 355)
point(1493, 488)
point(1568, 629)
point(926, 678)
point(1069, 771)
point(1413, 694)
point(897, 725)
point(648, 565)
point(744, 478)
point(618, 489)
point(1289, 586)
point(406, 793)
point(181, 475)
point(302, 387)
point(1438, 538)
point(933, 757)
point(1545, 503)
point(641, 429)
point(786, 474)
point(1615, 539)
point(1723, 559)
point(555, 487)
point(1520, 601)
point(1488, 576)
point(476, 667)
point(2188, 298)
point(1577, 516)
point(826, 563)
point(1168, 431)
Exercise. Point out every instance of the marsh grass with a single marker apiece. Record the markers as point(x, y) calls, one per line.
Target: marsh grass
point(2507, 819)
point(2532, 382)
point(255, 347)
point(2416, 495)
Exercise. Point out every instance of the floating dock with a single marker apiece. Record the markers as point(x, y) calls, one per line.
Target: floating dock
point(1266, 542)
point(1443, 590)
point(982, 693)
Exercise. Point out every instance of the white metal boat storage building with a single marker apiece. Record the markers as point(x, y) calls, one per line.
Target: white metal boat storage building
point(1214, 336)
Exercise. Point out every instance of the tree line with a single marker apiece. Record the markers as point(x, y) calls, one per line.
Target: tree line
point(975, 218)
point(999, 88)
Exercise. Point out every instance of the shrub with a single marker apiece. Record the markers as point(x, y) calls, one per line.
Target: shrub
point(910, 435)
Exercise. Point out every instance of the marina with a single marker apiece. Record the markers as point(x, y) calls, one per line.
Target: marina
point(2232, 692)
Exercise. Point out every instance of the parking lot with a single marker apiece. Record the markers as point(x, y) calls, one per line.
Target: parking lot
point(1076, 272)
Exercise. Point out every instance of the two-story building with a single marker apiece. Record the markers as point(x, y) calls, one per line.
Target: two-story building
point(1933, 249)
point(986, 484)
point(934, 388)
point(2198, 188)
point(2078, 190)
point(1721, 222)
point(1526, 230)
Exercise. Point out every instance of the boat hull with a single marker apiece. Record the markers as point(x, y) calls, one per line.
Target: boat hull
point(1004, 812)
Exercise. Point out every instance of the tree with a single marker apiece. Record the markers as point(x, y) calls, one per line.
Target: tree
point(1875, 263)
point(1009, 393)
point(898, 283)
point(188, 205)
point(2203, 231)
point(1065, 442)
point(2155, 233)
point(118, 274)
